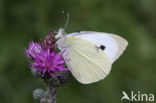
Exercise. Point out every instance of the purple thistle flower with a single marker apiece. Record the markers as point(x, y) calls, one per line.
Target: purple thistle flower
point(49, 62)
point(48, 65)
point(45, 60)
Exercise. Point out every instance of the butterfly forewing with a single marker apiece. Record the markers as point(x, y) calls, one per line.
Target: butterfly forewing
point(114, 45)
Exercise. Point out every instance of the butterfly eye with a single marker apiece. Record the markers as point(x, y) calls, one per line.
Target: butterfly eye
point(102, 47)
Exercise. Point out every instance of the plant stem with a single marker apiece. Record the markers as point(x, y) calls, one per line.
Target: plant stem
point(52, 96)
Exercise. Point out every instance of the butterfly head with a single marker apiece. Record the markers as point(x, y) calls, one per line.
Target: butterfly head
point(60, 36)
point(61, 33)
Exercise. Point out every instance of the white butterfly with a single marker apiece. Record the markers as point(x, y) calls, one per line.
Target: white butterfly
point(91, 54)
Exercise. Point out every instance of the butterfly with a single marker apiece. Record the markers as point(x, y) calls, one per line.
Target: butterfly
point(91, 53)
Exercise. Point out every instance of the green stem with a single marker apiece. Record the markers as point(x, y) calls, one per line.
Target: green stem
point(52, 96)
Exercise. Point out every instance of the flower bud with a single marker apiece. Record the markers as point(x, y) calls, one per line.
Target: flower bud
point(46, 94)
point(49, 41)
point(38, 94)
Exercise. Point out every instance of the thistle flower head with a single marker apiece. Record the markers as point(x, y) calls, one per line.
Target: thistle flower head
point(50, 62)
point(44, 57)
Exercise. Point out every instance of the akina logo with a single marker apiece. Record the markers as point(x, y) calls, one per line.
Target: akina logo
point(137, 96)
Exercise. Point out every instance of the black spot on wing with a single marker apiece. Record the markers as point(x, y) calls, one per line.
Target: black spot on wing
point(102, 47)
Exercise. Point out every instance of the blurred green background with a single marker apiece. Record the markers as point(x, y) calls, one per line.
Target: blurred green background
point(24, 20)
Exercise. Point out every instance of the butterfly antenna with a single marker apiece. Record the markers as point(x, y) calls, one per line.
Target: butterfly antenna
point(66, 21)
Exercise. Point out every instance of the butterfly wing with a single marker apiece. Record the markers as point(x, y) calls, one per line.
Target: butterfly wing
point(114, 44)
point(87, 62)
